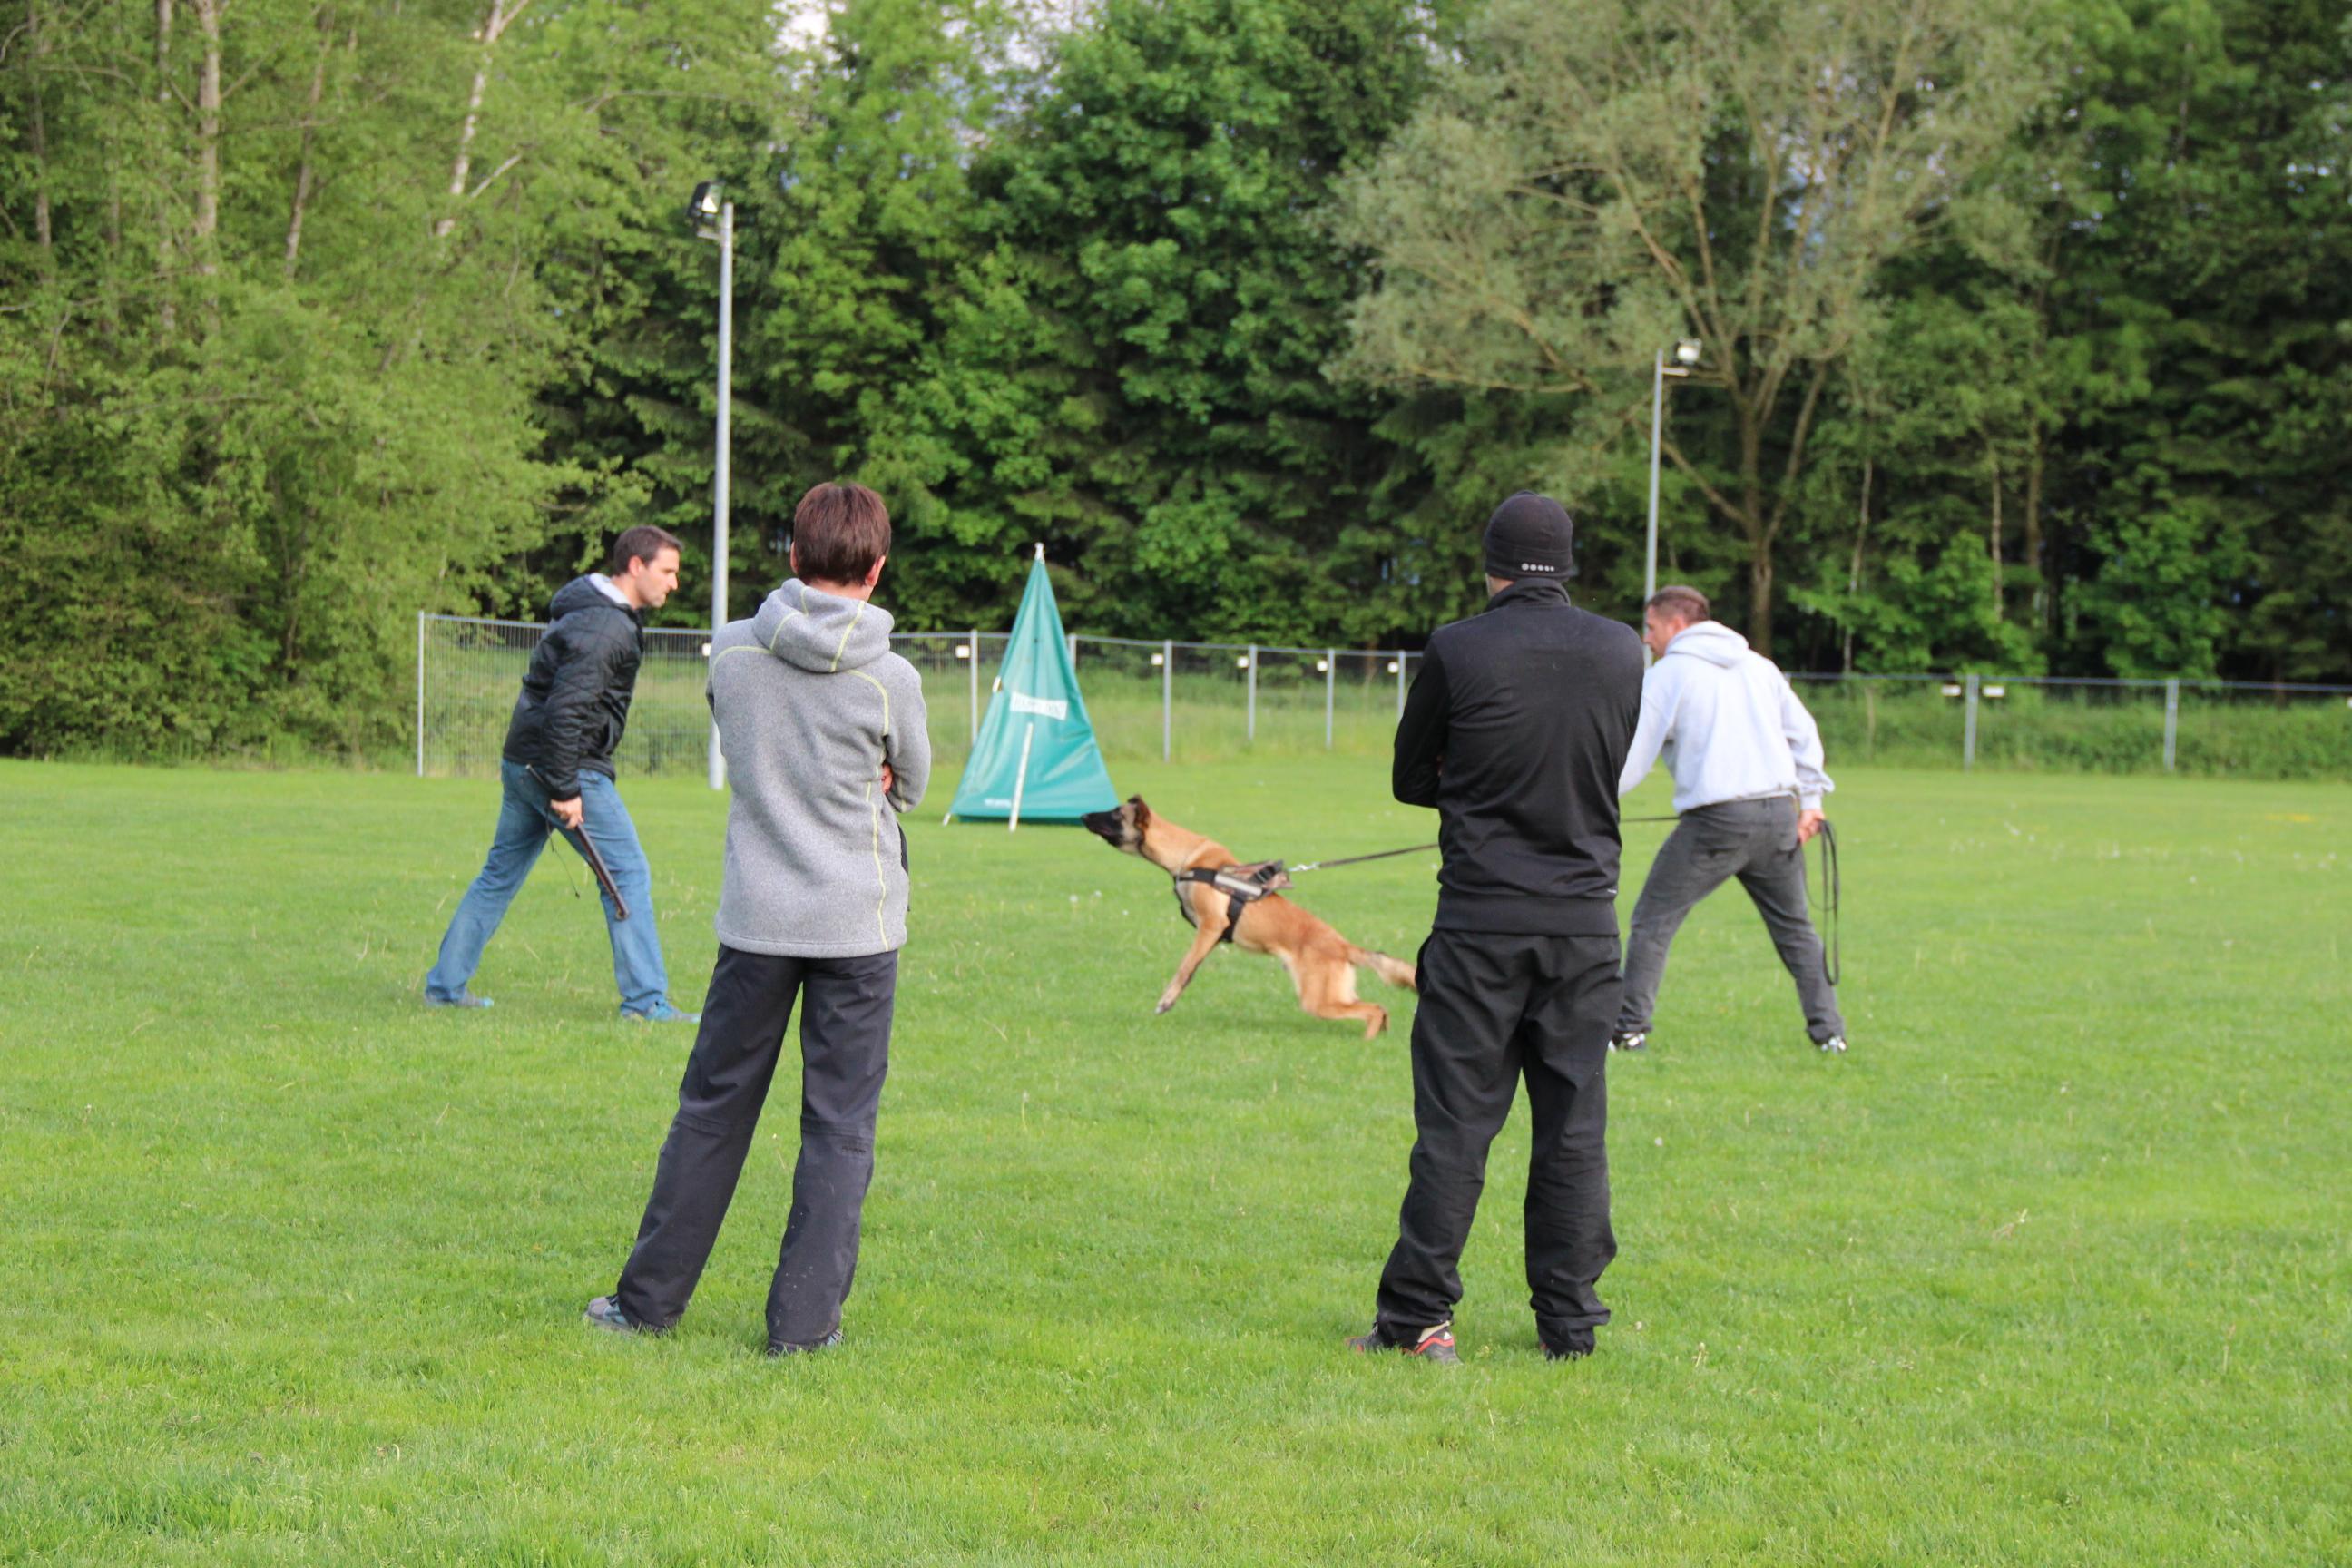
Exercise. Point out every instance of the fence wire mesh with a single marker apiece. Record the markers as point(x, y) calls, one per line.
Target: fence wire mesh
point(1194, 700)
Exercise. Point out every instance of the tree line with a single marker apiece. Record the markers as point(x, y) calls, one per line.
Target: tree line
point(2025, 327)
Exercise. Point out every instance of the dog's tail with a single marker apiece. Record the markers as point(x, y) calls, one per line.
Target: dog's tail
point(1395, 970)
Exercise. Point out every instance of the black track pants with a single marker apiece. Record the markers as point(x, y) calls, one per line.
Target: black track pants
point(1495, 1008)
point(845, 1051)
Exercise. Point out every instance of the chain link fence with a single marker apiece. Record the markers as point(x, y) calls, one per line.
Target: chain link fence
point(1188, 700)
point(2061, 725)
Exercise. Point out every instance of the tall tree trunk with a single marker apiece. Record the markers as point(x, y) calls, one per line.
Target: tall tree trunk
point(1853, 571)
point(167, 314)
point(38, 130)
point(1759, 540)
point(1992, 461)
point(500, 18)
point(2036, 574)
point(206, 229)
point(303, 177)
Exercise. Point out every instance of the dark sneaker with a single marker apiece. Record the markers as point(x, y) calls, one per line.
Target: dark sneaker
point(1834, 1043)
point(1574, 1345)
point(786, 1347)
point(1629, 1039)
point(605, 1314)
point(1431, 1344)
point(463, 999)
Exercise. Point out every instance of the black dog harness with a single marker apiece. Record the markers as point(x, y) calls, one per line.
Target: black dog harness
point(1242, 885)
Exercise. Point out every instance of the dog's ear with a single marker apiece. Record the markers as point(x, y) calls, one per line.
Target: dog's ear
point(1142, 812)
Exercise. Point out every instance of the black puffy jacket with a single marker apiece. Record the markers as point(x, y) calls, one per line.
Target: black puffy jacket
point(575, 696)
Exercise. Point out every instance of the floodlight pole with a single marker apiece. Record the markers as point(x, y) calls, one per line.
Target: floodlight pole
point(719, 473)
point(1686, 353)
point(1657, 435)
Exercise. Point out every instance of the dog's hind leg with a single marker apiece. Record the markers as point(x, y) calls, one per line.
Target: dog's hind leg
point(1328, 991)
point(1204, 941)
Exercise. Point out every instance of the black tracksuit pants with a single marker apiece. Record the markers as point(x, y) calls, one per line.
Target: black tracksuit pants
point(845, 1006)
point(1495, 1008)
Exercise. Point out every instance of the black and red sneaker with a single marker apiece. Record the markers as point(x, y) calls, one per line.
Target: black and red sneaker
point(1436, 1343)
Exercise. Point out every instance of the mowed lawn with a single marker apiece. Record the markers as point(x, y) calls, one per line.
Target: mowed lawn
point(2051, 1268)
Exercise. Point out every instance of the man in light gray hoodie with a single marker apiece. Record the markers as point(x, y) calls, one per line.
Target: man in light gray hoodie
point(823, 729)
point(1746, 760)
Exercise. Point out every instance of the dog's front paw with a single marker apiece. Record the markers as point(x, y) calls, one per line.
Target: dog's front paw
point(1165, 1003)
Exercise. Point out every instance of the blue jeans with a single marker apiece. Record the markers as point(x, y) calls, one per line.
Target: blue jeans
point(524, 823)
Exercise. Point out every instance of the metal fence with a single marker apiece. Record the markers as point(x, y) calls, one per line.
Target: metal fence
point(1174, 700)
point(1166, 698)
point(2054, 723)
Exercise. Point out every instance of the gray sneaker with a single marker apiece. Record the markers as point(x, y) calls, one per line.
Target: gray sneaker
point(786, 1347)
point(661, 1013)
point(606, 1312)
point(463, 999)
point(1834, 1043)
point(1629, 1039)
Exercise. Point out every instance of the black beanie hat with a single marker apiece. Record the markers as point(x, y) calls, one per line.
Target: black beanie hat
point(1531, 536)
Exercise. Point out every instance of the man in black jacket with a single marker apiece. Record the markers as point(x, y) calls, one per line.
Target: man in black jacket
point(557, 772)
point(1515, 729)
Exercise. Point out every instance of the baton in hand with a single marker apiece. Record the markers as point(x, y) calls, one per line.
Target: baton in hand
point(604, 873)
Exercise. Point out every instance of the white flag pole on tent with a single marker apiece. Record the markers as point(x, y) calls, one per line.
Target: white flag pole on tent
point(1020, 779)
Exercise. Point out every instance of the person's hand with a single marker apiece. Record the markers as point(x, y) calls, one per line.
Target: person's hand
point(567, 811)
point(1808, 823)
point(889, 779)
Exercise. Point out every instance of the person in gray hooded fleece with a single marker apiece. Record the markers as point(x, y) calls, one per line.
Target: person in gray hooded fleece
point(823, 732)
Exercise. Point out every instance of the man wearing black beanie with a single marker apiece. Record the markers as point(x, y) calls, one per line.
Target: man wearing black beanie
point(1515, 731)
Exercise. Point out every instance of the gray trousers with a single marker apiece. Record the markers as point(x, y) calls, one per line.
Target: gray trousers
point(1756, 841)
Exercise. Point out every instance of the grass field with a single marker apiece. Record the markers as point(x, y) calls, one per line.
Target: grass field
point(2052, 1268)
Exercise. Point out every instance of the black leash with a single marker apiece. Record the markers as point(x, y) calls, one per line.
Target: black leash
point(1828, 902)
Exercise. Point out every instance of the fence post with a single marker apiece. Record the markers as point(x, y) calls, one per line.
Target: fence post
point(974, 673)
point(1072, 639)
point(2171, 720)
point(1399, 683)
point(1253, 691)
point(1331, 680)
point(1968, 736)
point(420, 700)
point(1167, 701)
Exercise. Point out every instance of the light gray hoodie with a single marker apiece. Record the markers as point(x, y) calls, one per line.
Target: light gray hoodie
point(1727, 722)
point(810, 702)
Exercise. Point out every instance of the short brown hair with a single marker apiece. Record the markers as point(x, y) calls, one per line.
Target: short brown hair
point(839, 531)
point(642, 542)
point(1679, 601)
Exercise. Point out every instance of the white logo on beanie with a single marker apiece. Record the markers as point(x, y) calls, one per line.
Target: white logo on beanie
point(1535, 566)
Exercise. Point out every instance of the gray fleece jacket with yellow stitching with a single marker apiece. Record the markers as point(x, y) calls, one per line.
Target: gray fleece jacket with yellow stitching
point(810, 702)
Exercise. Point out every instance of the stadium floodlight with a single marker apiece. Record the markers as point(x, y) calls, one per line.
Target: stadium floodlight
point(1686, 353)
point(707, 208)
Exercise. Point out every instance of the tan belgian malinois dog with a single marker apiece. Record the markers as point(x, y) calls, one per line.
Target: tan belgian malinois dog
point(1321, 962)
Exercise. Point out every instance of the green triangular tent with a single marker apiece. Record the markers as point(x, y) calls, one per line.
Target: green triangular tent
point(1036, 743)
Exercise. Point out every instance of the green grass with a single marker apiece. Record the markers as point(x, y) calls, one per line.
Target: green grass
point(2051, 1268)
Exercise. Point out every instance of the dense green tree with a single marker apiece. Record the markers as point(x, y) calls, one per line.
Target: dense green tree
point(1599, 178)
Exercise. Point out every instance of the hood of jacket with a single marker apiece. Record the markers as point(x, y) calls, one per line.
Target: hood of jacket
point(1712, 641)
point(819, 631)
point(582, 594)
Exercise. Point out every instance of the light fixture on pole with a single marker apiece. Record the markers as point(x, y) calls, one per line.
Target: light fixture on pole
point(714, 218)
point(1686, 352)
